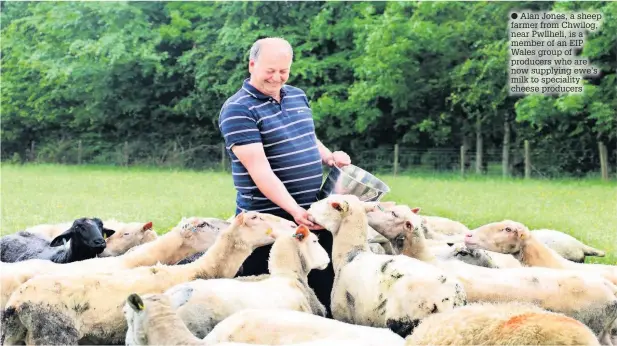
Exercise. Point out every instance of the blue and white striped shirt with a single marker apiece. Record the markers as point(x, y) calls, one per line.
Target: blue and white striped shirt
point(287, 132)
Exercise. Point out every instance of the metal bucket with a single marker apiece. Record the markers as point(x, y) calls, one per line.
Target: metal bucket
point(353, 180)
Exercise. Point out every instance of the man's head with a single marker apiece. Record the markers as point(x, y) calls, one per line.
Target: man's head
point(269, 64)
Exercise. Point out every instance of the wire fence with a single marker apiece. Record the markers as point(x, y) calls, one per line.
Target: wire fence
point(522, 162)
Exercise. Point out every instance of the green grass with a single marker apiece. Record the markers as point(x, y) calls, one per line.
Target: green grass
point(586, 209)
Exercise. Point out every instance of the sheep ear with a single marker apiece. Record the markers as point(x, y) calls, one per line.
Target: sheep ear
point(239, 220)
point(302, 232)
point(342, 207)
point(180, 296)
point(66, 235)
point(135, 302)
point(108, 233)
point(522, 233)
point(415, 210)
point(147, 226)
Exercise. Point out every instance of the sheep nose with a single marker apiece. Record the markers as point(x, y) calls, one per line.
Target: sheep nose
point(468, 235)
point(100, 242)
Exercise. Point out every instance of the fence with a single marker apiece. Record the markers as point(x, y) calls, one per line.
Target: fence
point(525, 161)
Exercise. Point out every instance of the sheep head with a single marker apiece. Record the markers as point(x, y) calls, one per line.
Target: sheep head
point(86, 234)
point(506, 237)
point(396, 223)
point(330, 211)
point(256, 229)
point(309, 247)
point(127, 236)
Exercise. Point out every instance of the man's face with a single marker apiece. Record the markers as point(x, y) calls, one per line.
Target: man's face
point(271, 70)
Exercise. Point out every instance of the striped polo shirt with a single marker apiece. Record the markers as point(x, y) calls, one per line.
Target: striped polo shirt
point(287, 132)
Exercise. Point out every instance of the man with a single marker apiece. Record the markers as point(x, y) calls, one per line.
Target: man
point(276, 158)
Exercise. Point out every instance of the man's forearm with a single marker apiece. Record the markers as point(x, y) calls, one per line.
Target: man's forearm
point(324, 152)
point(272, 187)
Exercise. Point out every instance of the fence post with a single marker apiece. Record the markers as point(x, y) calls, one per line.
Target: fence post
point(603, 160)
point(463, 160)
point(527, 160)
point(223, 154)
point(79, 148)
point(395, 158)
point(126, 153)
point(32, 151)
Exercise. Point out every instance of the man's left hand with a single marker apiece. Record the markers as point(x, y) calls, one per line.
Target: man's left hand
point(340, 158)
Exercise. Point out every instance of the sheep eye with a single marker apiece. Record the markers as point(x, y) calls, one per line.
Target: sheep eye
point(394, 214)
point(508, 229)
point(126, 233)
point(254, 217)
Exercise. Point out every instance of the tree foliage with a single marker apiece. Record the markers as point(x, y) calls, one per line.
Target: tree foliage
point(155, 74)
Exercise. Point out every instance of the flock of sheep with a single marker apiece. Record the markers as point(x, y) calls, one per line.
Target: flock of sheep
point(401, 278)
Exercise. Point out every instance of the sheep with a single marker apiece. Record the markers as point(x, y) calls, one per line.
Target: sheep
point(514, 238)
point(441, 226)
point(127, 236)
point(566, 245)
point(280, 327)
point(501, 324)
point(462, 253)
point(153, 321)
point(87, 237)
point(587, 297)
point(170, 248)
point(86, 302)
point(378, 290)
point(219, 225)
point(441, 248)
point(292, 257)
point(50, 231)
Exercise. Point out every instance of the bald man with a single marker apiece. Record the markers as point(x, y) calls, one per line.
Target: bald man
point(275, 155)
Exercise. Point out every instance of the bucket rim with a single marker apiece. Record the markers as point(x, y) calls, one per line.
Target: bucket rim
point(359, 182)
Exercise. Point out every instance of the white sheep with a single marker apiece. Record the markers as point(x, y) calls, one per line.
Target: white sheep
point(501, 324)
point(566, 245)
point(83, 303)
point(587, 297)
point(292, 257)
point(441, 226)
point(127, 236)
point(514, 238)
point(153, 321)
point(379, 290)
point(283, 327)
point(440, 248)
point(170, 248)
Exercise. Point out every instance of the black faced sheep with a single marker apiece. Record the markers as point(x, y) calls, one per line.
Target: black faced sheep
point(87, 240)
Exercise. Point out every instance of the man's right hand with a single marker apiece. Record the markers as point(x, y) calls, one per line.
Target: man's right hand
point(300, 216)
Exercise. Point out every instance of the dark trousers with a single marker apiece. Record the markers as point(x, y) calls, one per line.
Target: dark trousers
point(319, 280)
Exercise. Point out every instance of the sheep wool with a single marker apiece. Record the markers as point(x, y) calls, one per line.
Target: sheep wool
point(501, 324)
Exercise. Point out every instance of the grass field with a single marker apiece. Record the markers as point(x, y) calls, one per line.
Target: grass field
point(48, 194)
